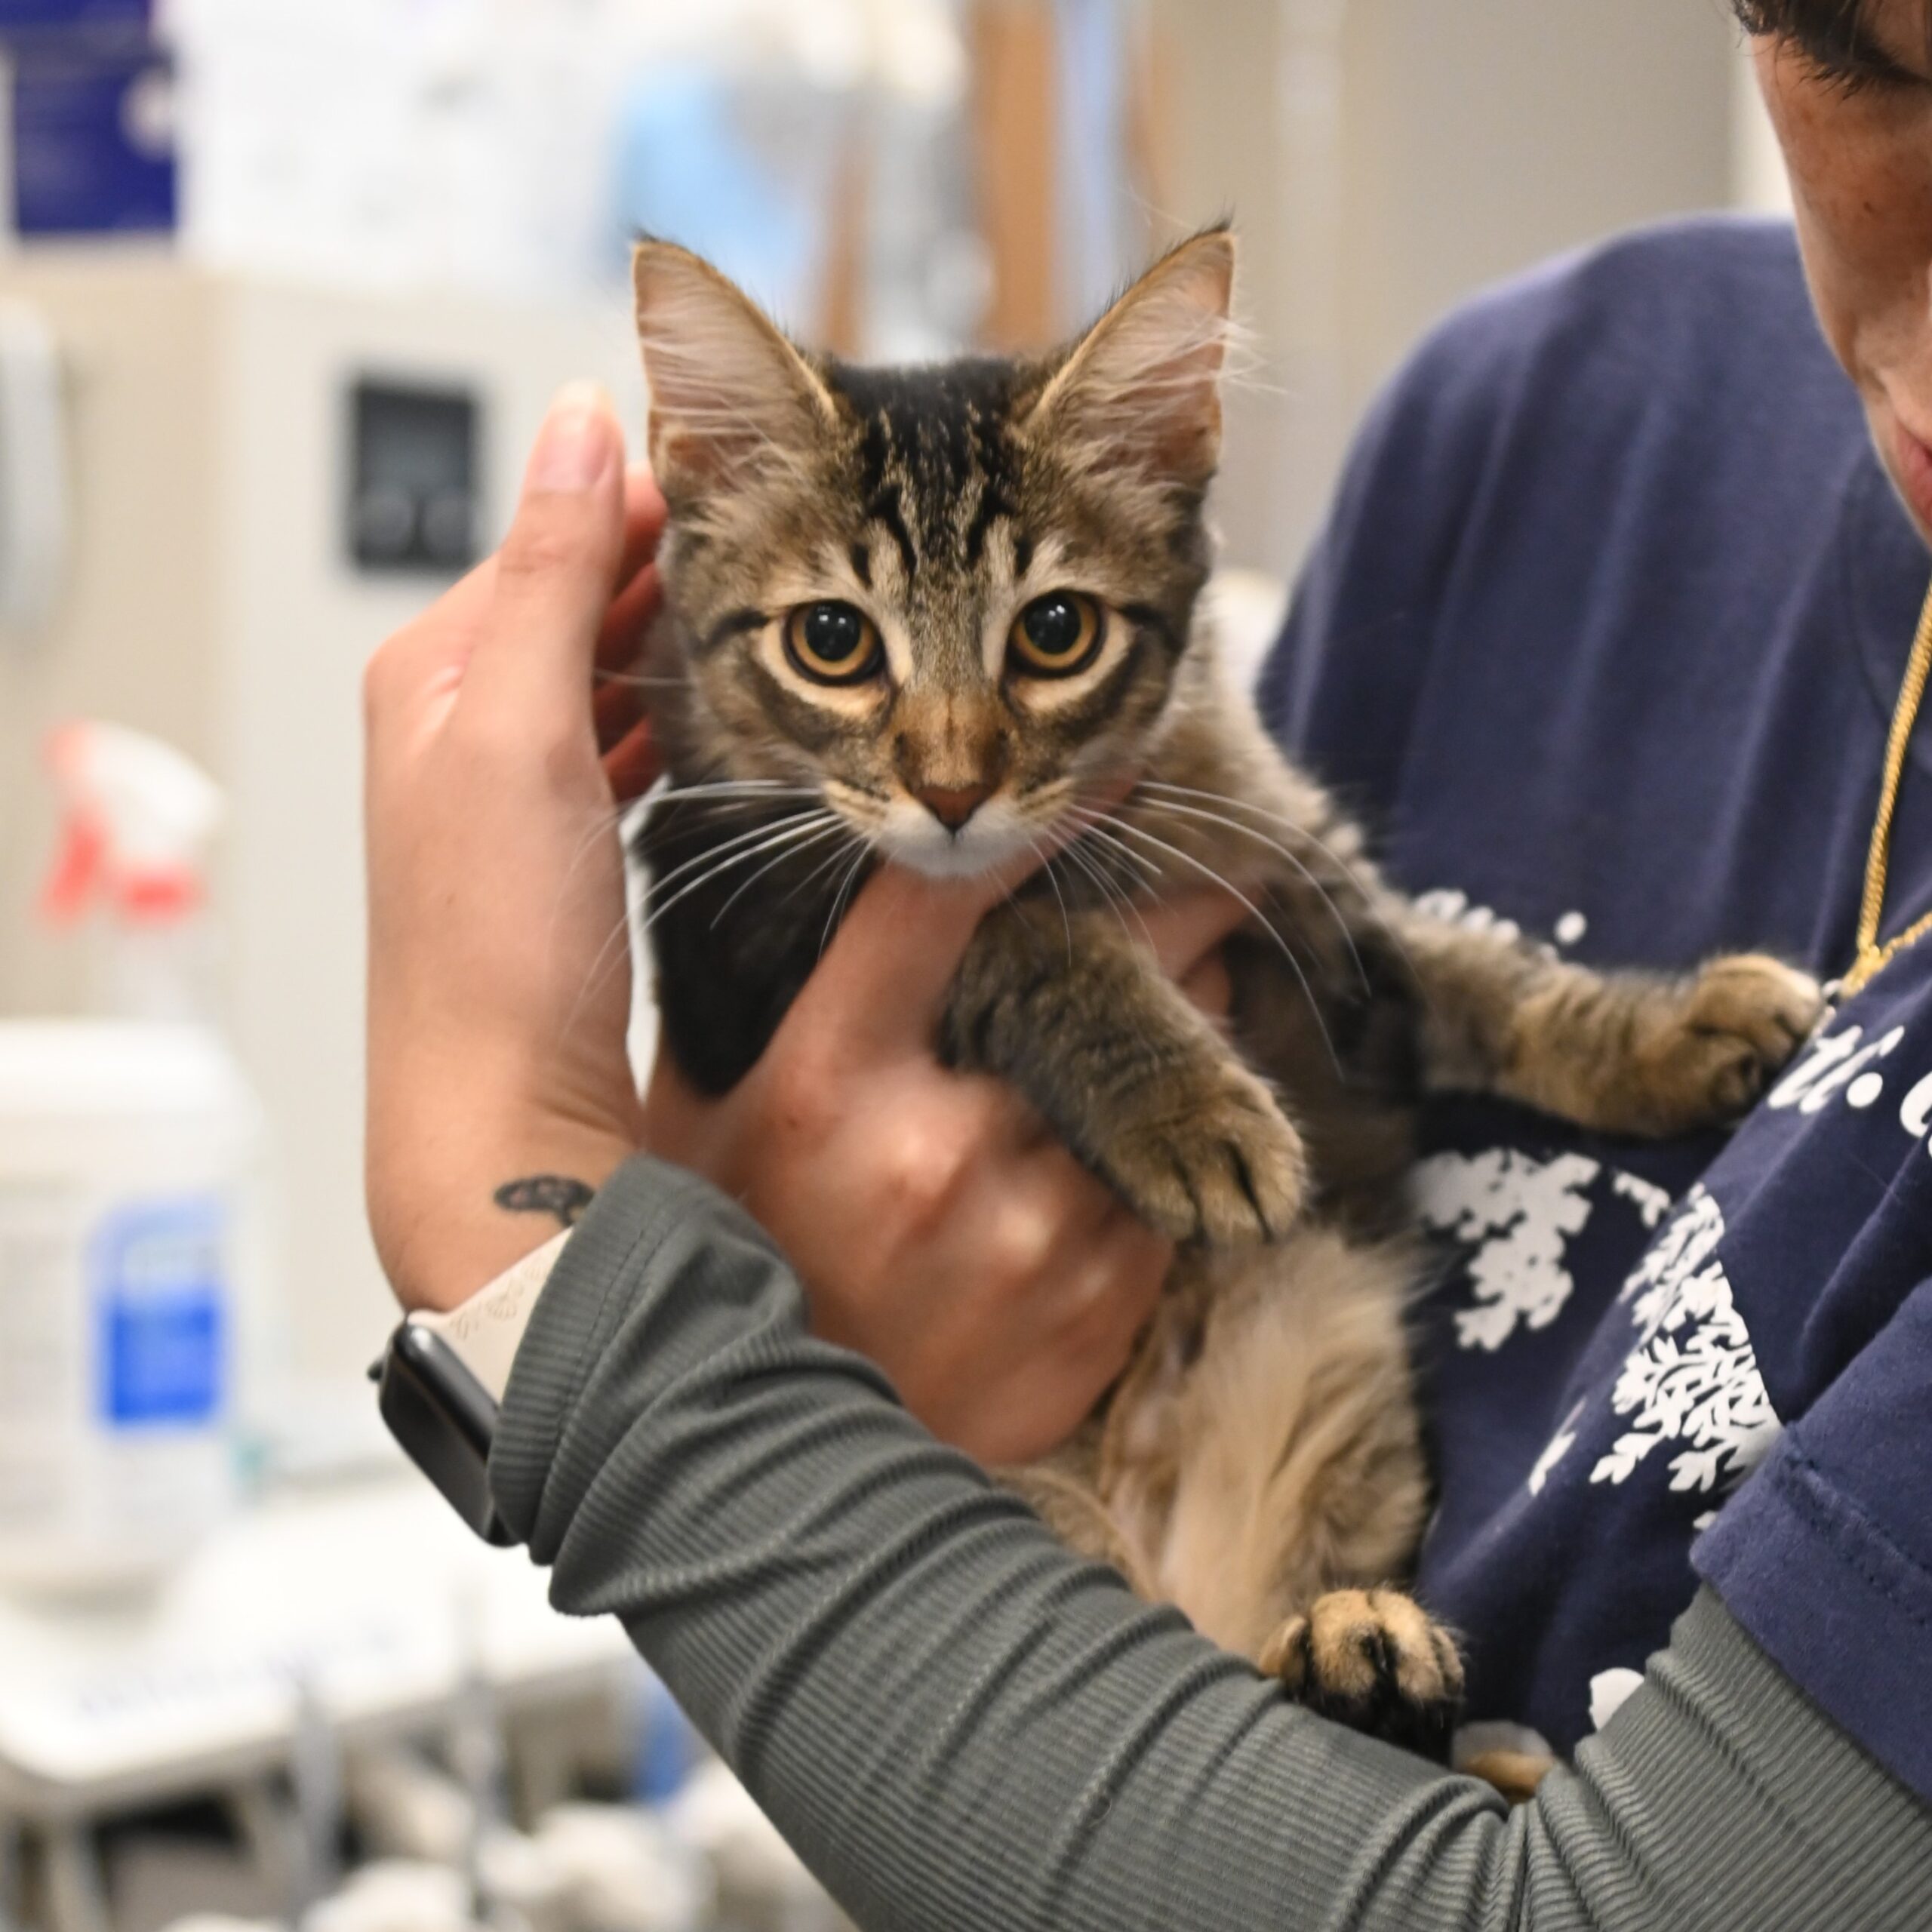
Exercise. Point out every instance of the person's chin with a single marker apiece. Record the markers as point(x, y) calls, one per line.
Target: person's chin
point(1907, 457)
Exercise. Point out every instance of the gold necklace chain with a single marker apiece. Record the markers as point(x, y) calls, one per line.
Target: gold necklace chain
point(1872, 958)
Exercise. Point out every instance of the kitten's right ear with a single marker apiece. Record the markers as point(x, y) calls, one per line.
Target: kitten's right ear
point(732, 402)
point(1141, 396)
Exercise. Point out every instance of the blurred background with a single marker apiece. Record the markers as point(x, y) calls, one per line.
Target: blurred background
point(285, 287)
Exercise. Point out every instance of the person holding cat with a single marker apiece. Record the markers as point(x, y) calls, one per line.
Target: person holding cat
point(1612, 629)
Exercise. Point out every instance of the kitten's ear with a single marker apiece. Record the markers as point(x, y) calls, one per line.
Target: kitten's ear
point(732, 402)
point(1142, 390)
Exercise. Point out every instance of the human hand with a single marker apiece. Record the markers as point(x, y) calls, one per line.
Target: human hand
point(499, 979)
point(937, 1225)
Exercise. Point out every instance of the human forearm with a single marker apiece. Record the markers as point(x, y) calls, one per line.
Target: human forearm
point(497, 1006)
point(962, 1726)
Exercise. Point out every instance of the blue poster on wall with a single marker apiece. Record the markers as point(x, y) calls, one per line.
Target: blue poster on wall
point(93, 117)
point(15, 13)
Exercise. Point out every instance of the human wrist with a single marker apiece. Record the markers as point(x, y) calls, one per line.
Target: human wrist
point(446, 1227)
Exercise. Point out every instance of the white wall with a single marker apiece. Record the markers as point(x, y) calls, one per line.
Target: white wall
point(1385, 157)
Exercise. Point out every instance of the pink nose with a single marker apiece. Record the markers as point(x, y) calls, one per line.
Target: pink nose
point(953, 806)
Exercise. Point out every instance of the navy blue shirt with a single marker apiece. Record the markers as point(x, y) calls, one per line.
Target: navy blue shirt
point(1603, 638)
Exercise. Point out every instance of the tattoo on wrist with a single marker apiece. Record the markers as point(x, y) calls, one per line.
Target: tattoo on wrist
point(558, 1194)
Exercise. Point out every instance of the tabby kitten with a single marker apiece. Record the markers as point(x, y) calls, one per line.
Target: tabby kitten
point(949, 615)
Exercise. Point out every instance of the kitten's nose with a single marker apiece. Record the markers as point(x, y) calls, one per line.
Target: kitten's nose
point(953, 806)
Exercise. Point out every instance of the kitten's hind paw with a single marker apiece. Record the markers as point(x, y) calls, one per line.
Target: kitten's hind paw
point(1373, 1660)
point(1220, 1165)
point(1733, 1028)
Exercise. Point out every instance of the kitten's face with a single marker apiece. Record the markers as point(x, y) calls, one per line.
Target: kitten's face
point(950, 603)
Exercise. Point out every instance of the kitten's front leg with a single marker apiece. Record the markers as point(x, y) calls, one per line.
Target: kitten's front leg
point(1622, 1053)
point(1127, 1072)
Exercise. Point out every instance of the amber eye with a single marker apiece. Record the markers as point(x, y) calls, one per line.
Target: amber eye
point(832, 643)
point(1057, 634)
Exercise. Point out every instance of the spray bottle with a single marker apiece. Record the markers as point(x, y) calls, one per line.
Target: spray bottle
point(128, 1149)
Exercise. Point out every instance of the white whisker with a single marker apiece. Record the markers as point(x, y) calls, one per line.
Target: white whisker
point(1240, 898)
point(1142, 876)
point(818, 871)
point(1047, 865)
point(632, 681)
point(763, 788)
point(616, 947)
point(845, 885)
point(666, 835)
point(1369, 894)
point(1273, 845)
point(1116, 901)
point(725, 864)
point(1113, 897)
point(717, 851)
point(603, 823)
point(803, 840)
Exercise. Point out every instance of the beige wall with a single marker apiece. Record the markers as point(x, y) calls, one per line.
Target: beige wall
point(141, 571)
point(1384, 158)
point(208, 602)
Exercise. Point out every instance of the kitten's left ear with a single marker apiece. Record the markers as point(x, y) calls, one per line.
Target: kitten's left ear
point(1142, 390)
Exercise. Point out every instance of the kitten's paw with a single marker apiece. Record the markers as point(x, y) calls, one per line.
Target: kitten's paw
point(1739, 1020)
point(1221, 1166)
point(1373, 1660)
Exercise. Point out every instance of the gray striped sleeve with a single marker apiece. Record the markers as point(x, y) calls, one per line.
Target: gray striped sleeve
point(962, 1727)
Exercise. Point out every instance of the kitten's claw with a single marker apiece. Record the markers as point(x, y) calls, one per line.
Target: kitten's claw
point(1373, 1660)
point(1738, 1022)
point(1221, 1166)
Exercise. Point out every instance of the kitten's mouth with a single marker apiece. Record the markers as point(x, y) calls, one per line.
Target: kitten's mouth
point(991, 834)
point(998, 829)
point(952, 836)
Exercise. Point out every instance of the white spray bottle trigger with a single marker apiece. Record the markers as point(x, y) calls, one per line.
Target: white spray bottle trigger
point(138, 817)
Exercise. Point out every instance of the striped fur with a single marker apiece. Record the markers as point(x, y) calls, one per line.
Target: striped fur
point(1260, 1464)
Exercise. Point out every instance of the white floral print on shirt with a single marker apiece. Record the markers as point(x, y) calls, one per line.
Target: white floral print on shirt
point(1692, 1378)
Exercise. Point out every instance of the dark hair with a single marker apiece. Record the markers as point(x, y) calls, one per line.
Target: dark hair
point(1803, 20)
point(1834, 33)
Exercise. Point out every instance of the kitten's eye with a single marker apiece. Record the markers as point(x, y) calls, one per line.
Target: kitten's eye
point(1057, 634)
point(833, 643)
